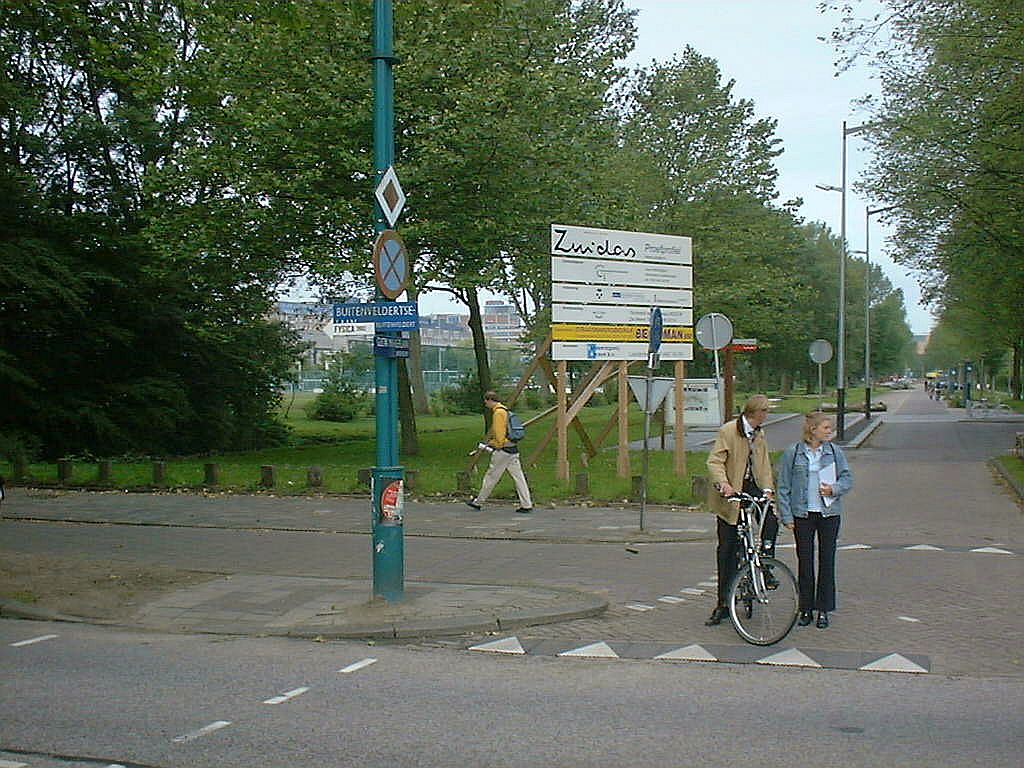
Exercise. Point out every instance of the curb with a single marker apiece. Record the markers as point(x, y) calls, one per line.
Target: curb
point(15, 609)
point(864, 433)
point(1012, 481)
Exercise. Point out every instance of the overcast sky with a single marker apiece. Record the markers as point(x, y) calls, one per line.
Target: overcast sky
point(771, 49)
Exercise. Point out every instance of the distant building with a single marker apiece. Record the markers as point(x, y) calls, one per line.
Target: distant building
point(502, 323)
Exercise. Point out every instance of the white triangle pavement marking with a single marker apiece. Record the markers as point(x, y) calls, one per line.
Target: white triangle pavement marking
point(894, 663)
point(609, 527)
point(911, 619)
point(505, 645)
point(855, 546)
point(594, 650)
point(689, 653)
point(691, 591)
point(992, 551)
point(924, 547)
point(639, 607)
point(12, 764)
point(790, 658)
point(673, 530)
point(707, 584)
point(671, 599)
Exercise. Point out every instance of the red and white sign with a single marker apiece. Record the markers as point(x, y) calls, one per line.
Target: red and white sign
point(392, 500)
point(743, 345)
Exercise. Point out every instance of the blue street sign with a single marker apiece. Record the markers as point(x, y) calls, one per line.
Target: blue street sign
point(390, 346)
point(655, 332)
point(387, 315)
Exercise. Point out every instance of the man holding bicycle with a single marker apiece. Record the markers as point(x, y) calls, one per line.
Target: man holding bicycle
point(738, 461)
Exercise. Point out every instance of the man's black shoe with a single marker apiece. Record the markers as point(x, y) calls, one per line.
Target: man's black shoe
point(721, 612)
point(473, 505)
point(806, 617)
point(524, 510)
point(822, 622)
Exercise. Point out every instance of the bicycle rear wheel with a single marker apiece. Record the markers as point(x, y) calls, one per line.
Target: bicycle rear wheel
point(766, 618)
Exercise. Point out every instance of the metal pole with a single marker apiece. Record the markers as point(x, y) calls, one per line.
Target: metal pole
point(388, 545)
point(647, 447)
point(867, 312)
point(841, 333)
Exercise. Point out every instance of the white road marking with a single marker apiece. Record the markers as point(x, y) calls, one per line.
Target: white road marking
point(33, 640)
point(911, 619)
point(286, 696)
point(894, 663)
point(671, 599)
point(790, 658)
point(673, 530)
point(505, 645)
point(692, 591)
point(707, 584)
point(689, 653)
point(923, 548)
point(357, 666)
point(992, 551)
point(11, 764)
point(853, 546)
point(595, 650)
point(214, 726)
point(639, 607)
point(609, 527)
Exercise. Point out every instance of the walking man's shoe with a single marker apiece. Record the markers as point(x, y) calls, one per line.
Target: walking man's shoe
point(822, 622)
point(473, 505)
point(721, 612)
point(806, 617)
point(524, 510)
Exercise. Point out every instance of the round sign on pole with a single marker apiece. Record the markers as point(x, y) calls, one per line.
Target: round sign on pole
point(714, 330)
point(390, 264)
point(820, 351)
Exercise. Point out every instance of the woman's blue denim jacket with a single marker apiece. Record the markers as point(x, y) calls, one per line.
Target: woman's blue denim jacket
point(791, 493)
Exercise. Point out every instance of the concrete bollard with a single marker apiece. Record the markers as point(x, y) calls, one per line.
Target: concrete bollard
point(365, 476)
point(582, 483)
point(159, 472)
point(64, 470)
point(410, 479)
point(315, 477)
point(267, 479)
point(103, 472)
point(211, 474)
point(638, 485)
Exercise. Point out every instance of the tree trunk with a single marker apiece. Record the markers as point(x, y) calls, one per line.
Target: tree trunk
point(1015, 388)
point(410, 445)
point(476, 326)
point(415, 367)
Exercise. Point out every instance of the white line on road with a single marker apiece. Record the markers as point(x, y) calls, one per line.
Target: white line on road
point(11, 764)
point(357, 666)
point(911, 619)
point(286, 696)
point(39, 639)
point(216, 725)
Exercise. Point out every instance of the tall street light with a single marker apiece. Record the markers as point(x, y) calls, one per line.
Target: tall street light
point(868, 213)
point(841, 333)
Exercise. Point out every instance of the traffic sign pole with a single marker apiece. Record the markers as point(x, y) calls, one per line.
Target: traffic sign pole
point(388, 544)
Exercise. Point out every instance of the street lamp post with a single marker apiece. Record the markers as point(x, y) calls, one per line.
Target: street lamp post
point(841, 331)
point(868, 213)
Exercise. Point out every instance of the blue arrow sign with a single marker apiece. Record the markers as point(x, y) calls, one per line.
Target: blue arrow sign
point(655, 332)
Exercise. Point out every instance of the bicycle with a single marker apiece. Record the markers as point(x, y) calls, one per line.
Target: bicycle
point(763, 598)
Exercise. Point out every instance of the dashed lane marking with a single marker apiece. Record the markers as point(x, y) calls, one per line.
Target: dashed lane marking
point(286, 696)
point(854, 546)
point(671, 599)
point(33, 641)
point(216, 725)
point(355, 667)
point(692, 591)
point(12, 764)
point(992, 551)
point(911, 619)
point(641, 607)
point(808, 658)
point(923, 548)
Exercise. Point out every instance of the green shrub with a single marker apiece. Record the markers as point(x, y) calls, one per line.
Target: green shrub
point(340, 401)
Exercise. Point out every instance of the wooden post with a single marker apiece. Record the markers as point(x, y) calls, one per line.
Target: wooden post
point(728, 374)
point(562, 467)
point(64, 470)
point(680, 423)
point(103, 469)
point(159, 472)
point(315, 477)
point(582, 483)
point(623, 412)
point(20, 466)
point(211, 474)
point(267, 476)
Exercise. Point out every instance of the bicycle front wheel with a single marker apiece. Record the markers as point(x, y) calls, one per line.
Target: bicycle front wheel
point(764, 615)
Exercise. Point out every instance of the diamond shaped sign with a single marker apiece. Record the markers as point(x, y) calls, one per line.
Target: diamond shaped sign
point(390, 195)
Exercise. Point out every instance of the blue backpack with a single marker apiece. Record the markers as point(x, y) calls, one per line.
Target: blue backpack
point(516, 428)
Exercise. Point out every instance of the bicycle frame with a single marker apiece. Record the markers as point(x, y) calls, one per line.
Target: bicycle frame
point(749, 527)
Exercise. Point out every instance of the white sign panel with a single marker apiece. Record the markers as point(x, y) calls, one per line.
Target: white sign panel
point(587, 242)
point(626, 350)
point(616, 315)
point(608, 272)
point(602, 294)
point(702, 404)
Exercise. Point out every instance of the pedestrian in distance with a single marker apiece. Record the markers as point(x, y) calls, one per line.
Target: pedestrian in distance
point(738, 461)
point(504, 457)
point(813, 478)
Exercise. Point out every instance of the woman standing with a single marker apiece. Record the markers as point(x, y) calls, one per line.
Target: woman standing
point(813, 478)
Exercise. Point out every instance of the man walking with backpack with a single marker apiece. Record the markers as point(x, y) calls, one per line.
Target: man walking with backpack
point(504, 456)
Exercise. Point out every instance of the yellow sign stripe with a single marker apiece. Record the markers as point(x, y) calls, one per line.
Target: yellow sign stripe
point(597, 332)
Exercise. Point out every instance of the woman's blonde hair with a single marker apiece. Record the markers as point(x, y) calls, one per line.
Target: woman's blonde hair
point(755, 403)
point(812, 420)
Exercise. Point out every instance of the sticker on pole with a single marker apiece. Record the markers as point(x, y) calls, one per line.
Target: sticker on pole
point(392, 501)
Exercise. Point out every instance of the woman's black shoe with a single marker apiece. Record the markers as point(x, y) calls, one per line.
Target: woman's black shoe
point(721, 612)
point(822, 621)
point(806, 617)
